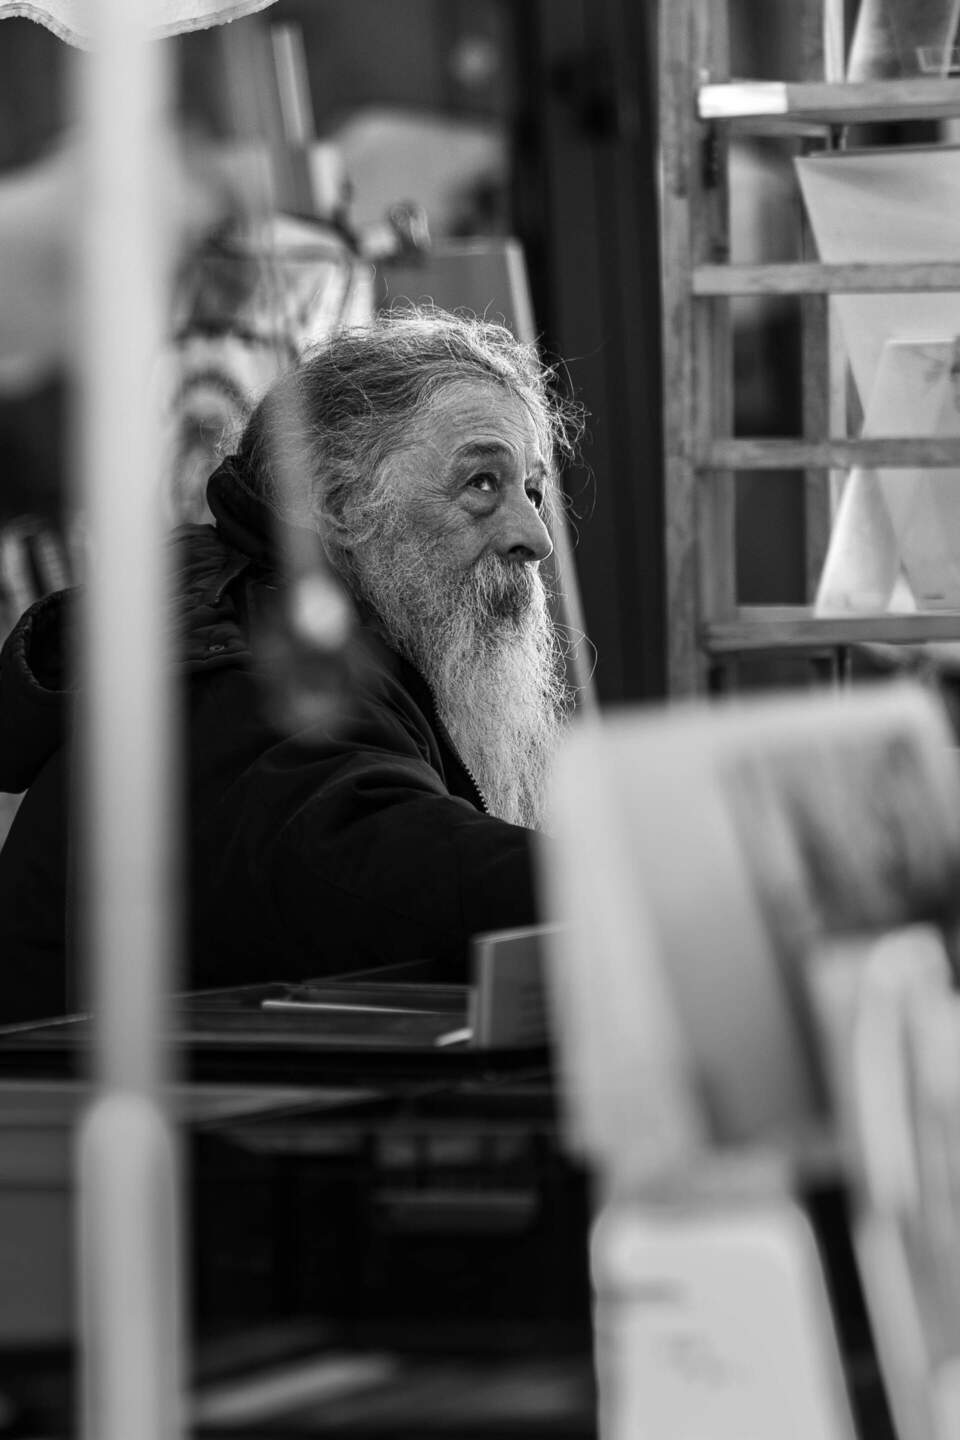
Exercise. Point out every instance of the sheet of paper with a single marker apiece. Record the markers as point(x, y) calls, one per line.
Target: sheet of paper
point(904, 522)
point(884, 206)
point(897, 38)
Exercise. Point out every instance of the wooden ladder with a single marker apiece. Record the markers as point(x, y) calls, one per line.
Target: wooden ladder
point(709, 632)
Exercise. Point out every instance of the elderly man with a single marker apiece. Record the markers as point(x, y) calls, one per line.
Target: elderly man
point(423, 452)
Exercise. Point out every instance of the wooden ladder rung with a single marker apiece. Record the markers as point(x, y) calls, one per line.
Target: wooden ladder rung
point(889, 453)
point(831, 103)
point(781, 627)
point(814, 279)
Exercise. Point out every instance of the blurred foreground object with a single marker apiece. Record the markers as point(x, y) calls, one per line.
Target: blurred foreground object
point(129, 1282)
point(896, 1072)
point(71, 20)
point(199, 185)
point(722, 875)
point(713, 1319)
point(704, 856)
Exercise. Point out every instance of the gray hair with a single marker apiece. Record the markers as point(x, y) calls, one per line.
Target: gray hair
point(315, 445)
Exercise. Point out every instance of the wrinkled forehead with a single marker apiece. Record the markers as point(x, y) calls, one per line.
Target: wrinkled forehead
point(484, 412)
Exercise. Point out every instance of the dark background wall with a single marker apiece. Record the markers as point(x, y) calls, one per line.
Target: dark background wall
point(586, 207)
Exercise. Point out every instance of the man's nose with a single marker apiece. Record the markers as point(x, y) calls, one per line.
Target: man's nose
point(523, 534)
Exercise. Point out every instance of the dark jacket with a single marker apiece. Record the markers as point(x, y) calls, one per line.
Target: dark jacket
point(331, 849)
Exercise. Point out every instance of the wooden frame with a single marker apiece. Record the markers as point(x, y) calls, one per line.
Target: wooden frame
point(698, 398)
point(707, 628)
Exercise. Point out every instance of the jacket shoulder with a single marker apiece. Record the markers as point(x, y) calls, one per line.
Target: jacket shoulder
point(35, 688)
point(209, 578)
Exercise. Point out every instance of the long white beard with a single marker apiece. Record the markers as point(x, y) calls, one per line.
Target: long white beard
point(486, 644)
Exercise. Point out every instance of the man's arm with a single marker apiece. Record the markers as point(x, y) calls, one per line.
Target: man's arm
point(330, 851)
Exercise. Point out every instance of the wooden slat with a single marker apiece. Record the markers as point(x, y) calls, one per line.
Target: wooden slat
point(783, 627)
point(818, 407)
point(833, 26)
point(823, 356)
point(837, 103)
point(715, 512)
point(810, 278)
point(896, 452)
point(676, 144)
point(685, 222)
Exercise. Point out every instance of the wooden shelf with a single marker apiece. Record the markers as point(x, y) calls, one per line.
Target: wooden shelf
point(785, 627)
point(893, 453)
point(838, 103)
point(814, 279)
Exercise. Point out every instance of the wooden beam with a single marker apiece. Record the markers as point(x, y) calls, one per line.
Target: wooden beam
point(783, 627)
point(893, 453)
point(811, 278)
point(831, 103)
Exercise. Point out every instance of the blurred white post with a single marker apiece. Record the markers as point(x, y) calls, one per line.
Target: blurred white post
point(128, 1180)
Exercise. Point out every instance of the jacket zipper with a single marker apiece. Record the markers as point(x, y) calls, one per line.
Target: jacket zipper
point(456, 754)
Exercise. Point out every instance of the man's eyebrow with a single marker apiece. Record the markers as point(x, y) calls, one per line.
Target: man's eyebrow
point(494, 450)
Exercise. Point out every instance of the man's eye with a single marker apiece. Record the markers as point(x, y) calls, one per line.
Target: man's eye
point(535, 497)
point(484, 481)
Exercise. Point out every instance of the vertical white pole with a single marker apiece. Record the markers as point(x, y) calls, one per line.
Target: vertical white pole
point(128, 1183)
